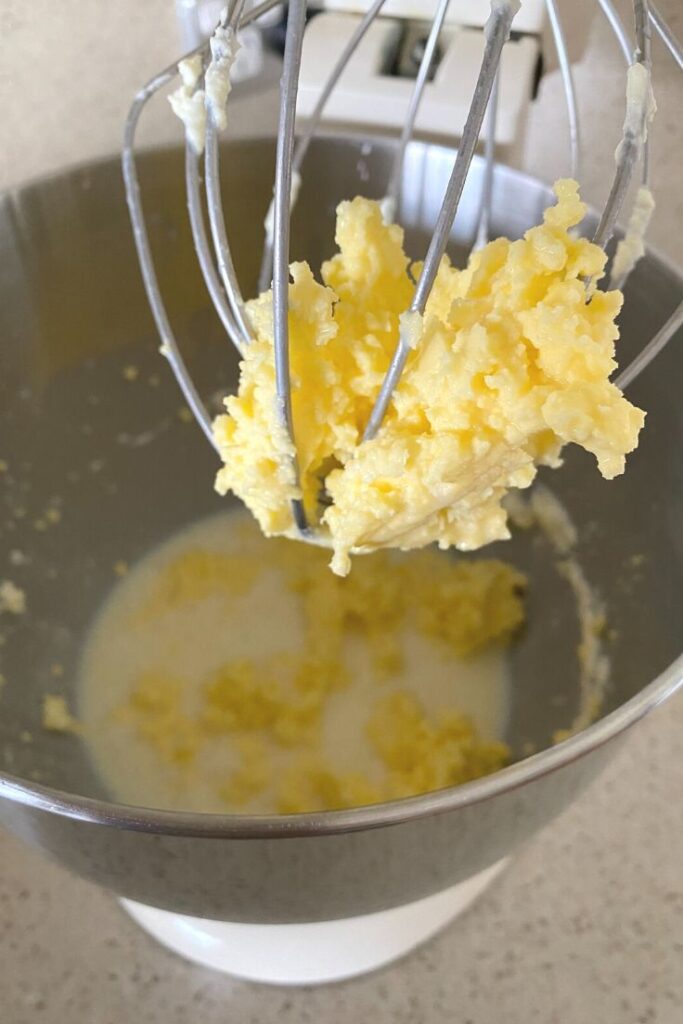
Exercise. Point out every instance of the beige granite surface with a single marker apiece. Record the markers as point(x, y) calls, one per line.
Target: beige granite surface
point(587, 924)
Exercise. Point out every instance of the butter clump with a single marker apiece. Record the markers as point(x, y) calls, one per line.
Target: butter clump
point(56, 716)
point(418, 755)
point(12, 598)
point(270, 707)
point(422, 754)
point(512, 360)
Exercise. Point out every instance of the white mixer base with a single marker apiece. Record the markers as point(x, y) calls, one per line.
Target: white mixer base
point(315, 953)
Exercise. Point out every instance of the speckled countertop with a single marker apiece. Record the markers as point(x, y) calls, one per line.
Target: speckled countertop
point(587, 924)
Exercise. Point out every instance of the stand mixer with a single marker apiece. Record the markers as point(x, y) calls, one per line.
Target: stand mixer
point(281, 883)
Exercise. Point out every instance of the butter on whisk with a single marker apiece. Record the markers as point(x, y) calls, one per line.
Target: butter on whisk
point(510, 361)
point(429, 392)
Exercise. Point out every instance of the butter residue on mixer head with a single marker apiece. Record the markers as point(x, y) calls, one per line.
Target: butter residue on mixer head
point(631, 247)
point(513, 361)
point(188, 102)
point(191, 102)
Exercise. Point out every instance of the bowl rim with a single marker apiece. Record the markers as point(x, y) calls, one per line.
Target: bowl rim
point(282, 826)
point(278, 826)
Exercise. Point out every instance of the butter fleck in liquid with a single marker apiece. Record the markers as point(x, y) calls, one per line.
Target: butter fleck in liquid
point(193, 639)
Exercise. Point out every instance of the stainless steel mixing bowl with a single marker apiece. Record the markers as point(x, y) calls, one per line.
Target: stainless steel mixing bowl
point(124, 471)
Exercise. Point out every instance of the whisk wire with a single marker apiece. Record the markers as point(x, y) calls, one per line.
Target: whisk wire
point(214, 203)
point(568, 86)
point(393, 192)
point(283, 183)
point(201, 246)
point(652, 349)
point(486, 203)
point(310, 128)
point(632, 142)
point(497, 34)
point(618, 28)
point(169, 345)
point(219, 233)
point(666, 35)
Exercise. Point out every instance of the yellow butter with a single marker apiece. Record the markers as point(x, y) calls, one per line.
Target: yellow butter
point(270, 709)
point(512, 360)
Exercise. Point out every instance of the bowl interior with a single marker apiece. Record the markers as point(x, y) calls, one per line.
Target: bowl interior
point(124, 471)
